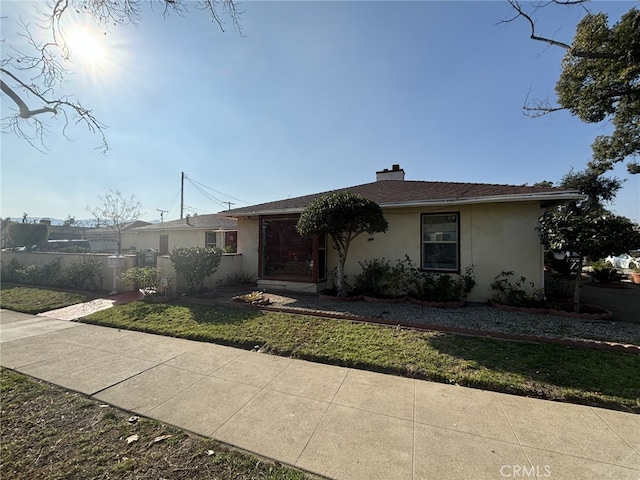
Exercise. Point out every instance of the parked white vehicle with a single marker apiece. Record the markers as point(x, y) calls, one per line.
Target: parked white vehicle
point(623, 261)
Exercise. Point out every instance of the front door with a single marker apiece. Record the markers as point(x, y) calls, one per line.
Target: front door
point(164, 244)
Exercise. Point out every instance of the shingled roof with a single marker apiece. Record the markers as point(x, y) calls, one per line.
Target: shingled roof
point(210, 222)
point(411, 193)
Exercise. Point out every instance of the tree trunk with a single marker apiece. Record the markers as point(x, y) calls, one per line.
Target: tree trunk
point(576, 288)
point(342, 289)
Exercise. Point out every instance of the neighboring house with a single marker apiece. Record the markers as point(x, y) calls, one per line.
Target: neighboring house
point(63, 232)
point(56, 232)
point(193, 231)
point(105, 239)
point(442, 227)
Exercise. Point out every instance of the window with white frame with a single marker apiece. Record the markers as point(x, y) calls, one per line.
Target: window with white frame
point(440, 242)
point(210, 240)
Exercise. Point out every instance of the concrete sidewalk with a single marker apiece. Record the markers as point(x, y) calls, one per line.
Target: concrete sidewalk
point(336, 422)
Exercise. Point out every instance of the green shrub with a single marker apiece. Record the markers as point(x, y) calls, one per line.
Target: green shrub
point(141, 277)
point(605, 272)
point(195, 264)
point(84, 274)
point(399, 277)
point(513, 293)
point(373, 278)
point(45, 274)
point(236, 279)
point(440, 287)
point(10, 270)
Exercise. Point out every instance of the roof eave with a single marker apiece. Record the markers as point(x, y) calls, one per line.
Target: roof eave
point(548, 198)
point(538, 197)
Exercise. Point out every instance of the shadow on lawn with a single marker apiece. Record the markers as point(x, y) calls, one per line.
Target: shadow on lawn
point(187, 311)
point(546, 366)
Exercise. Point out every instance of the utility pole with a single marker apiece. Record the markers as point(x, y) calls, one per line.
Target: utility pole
point(229, 203)
point(162, 212)
point(181, 195)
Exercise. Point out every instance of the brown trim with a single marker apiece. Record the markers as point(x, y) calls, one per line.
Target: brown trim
point(440, 270)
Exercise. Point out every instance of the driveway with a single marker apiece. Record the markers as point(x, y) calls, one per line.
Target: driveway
point(623, 299)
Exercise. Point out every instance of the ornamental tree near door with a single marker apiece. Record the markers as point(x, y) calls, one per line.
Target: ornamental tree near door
point(343, 216)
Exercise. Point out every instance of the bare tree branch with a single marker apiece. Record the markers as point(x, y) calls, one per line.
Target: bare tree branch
point(24, 110)
point(35, 74)
point(550, 41)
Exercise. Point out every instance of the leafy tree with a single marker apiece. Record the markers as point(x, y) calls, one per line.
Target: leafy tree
point(195, 264)
point(116, 212)
point(585, 226)
point(343, 216)
point(600, 80)
point(27, 234)
point(32, 73)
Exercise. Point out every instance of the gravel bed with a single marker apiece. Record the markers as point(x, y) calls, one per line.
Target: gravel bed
point(472, 316)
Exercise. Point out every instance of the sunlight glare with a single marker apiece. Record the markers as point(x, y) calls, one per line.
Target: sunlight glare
point(87, 47)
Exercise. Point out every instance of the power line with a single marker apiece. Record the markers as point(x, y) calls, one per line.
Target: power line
point(192, 181)
point(209, 196)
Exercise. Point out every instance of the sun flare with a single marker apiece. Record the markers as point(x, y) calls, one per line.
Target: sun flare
point(87, 47)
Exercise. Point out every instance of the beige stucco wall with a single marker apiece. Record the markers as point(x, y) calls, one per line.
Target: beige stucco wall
point(143, 240)
point(248, 244)
point(229, 264)
point(66, 259)
point(494, 237)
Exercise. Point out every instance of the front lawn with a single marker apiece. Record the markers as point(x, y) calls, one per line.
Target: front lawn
point(36, 300)
point(49, 432)
point(608, 379)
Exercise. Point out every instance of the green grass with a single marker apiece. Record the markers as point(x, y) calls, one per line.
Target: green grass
point(37, 300)
point(608, 379)
point(603, 378)
point(49, 432)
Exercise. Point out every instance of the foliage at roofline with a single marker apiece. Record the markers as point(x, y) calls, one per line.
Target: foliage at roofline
point(343, 216)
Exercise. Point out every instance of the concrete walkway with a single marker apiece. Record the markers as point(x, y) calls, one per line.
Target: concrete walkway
point(336, 422)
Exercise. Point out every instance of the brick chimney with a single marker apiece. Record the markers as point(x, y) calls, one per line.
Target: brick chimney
point(396, 173)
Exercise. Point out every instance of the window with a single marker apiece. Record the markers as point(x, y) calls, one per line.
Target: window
point(210, 240)
point(285, 254)
point(440, 242)
point(231, 242)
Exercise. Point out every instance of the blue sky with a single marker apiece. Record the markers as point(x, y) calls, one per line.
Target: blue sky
point(314, 96)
